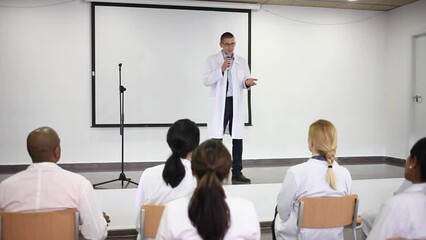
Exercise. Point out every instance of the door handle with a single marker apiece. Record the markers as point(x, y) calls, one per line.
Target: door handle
point(418, 99)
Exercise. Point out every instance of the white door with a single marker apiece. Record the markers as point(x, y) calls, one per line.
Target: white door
point(419, 96)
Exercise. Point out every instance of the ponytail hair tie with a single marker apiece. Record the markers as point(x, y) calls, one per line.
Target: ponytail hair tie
point(330, 166)
point(210, 170)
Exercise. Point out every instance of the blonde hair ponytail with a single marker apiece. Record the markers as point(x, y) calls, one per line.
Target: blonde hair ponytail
point(330, 155)
point(323, 135)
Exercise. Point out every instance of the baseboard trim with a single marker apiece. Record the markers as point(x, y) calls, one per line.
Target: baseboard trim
point(140, 166)
point(122, 233)
point(395, 161)
point(266, 225)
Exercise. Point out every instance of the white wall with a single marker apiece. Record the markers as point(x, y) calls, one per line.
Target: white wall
point(306, 71)
point(403, 23)
point(309, 71)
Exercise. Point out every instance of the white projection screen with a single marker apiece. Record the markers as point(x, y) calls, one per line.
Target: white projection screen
point(163, 51)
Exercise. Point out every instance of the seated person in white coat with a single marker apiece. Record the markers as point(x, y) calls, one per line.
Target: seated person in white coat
point(209, 213)
point(46, 186)
point(403, 215)
point(368, 217)
point(320, 176)
point(164, 183)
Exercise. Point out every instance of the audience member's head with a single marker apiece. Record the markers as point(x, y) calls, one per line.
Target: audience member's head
point(43, 145)
point(208, 211)
point(322, 140)
point(183, 137)
point(415, 166)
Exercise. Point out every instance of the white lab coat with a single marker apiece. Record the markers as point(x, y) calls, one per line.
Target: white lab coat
point(402, 216)
point(308, 179)
point(213, 78)
point(369, 216)
point(152, 188)
point(175, 223)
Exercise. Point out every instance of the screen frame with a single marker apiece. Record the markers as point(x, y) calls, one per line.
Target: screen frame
point(93, 56)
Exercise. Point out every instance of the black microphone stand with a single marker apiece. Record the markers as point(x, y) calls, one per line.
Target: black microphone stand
point(122, 176)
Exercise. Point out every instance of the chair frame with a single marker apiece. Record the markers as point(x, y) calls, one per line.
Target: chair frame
point(320, 205)
point(150, 216)
point(37, 218)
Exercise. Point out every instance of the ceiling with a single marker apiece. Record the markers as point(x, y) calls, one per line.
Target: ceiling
point(378, 5)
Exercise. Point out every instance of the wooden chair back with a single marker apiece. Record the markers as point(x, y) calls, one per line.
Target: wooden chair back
point(150, 220)
point(40, 225)
point(328, 212)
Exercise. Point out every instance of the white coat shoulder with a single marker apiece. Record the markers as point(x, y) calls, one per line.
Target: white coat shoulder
point(244, 221)
point(402, 215)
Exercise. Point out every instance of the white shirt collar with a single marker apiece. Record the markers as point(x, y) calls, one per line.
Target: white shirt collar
point(43, 164)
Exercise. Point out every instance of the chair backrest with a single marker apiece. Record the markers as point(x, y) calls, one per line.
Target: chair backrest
point(150, 220)
point(40, 225)
point(328, 212)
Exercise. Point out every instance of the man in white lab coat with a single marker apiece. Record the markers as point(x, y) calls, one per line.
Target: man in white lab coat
point(228, 75)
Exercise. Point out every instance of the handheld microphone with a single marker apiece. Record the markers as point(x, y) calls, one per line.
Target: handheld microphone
point(230, 57)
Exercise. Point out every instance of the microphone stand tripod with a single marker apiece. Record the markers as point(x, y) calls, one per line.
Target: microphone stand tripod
point(122, 176)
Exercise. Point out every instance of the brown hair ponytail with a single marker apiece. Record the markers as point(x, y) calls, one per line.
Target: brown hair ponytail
point(208, 210)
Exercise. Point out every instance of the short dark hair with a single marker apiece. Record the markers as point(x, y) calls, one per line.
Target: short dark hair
point(419, 152)
point(226, 35)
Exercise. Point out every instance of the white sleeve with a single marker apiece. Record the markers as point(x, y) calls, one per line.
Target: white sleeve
point(368, 220)
point(385, 224)
point(212, 72)
point(93, 223)
point(349, 183)
point(140, 200)
point(140, 194)
point(253, 224)
point(247, 75)
point(287, 196)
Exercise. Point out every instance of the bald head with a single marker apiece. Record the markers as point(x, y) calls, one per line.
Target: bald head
point(43, 145)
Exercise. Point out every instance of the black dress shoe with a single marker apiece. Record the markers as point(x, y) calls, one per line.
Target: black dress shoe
point(240, 179)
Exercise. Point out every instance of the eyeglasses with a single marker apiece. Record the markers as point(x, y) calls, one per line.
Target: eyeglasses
point(228, 44)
